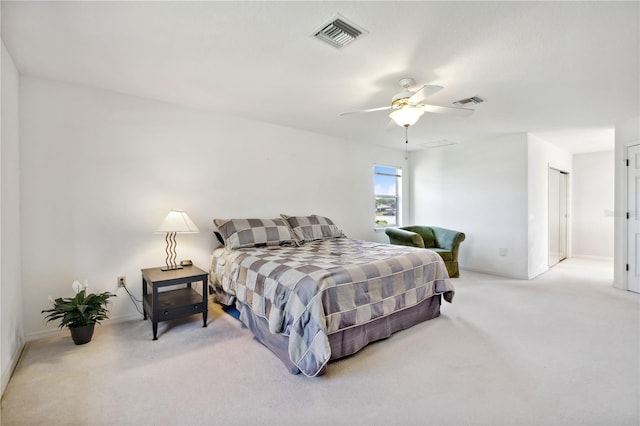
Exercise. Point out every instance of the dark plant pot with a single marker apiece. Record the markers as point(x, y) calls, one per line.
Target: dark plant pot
point(82, 334)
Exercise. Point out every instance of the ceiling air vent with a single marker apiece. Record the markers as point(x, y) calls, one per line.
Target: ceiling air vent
point(469, 101)
point(338, 32)
point(438, 144)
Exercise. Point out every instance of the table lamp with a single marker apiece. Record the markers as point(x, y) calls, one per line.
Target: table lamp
point(176, 222)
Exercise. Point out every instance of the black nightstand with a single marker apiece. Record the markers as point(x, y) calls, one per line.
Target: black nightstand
point(172, 304)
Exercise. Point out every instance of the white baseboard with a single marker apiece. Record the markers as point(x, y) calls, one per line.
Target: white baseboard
point(588, 257)
point(496, 273)
point(8, 372)
point(123, 318)
point(45, 333)
point(63, 332)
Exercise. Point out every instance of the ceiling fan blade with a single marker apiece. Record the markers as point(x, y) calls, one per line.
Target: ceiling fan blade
point(437, 109)
point(366, 110)
point(424, 92)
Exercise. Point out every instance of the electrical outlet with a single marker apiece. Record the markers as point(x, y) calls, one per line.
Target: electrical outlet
point(122, 281)
point(503, 252)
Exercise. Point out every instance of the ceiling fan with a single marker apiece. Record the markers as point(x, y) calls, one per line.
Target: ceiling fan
point(407, 106)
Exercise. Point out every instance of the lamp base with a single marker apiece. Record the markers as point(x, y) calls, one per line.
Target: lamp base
point(171, 268)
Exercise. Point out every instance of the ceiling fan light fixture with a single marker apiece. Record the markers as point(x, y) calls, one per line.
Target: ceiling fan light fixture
point(407, 116)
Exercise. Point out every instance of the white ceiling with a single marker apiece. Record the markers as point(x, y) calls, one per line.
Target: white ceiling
point(564, 71)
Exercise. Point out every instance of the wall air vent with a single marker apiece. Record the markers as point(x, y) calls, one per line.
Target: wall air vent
point(469, 101)
point(338, 32)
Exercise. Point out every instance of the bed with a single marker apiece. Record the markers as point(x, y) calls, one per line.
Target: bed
point(312, 295)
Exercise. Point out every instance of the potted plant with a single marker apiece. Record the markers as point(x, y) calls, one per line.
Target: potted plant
point(79, 313)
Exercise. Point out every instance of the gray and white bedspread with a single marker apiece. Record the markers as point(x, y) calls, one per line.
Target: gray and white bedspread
point(325, 286)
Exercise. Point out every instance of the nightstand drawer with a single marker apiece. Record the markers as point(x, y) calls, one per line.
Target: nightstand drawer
point(179, 312)
point(175, 304)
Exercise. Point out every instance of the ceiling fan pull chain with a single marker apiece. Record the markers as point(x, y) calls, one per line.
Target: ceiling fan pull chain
point(406, 142)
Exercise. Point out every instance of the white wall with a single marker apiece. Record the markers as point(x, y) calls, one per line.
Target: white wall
point(479, 189)
point(12, 335)
point(101, 170)
point(494, 191)
point(593, 205)
point(541, 156)
point(627, 134)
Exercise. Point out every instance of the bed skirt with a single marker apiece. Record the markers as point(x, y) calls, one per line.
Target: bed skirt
point(345, 342)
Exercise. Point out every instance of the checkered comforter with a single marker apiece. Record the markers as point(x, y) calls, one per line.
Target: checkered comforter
point(325, 286)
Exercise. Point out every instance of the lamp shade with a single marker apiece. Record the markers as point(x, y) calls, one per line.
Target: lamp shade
point(406, 116)
point(177, 221)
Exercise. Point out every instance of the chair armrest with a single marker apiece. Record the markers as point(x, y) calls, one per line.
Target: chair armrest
point(404, 238)
point(449, 239)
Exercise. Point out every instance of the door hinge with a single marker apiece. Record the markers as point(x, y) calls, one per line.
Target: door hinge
point(627, 267)
point(627, 161)
point(627, 215)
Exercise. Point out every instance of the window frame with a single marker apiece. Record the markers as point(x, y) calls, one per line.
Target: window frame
point(398, 173)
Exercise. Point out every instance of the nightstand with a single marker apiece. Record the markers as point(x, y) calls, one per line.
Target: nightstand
point(175, 303)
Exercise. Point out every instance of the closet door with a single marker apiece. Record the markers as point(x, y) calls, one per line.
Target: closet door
point(564, 215)
point(633, 218)
point(558, 215)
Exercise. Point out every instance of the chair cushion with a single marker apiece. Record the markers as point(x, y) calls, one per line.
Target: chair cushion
point(444, 254)
point(426, 233)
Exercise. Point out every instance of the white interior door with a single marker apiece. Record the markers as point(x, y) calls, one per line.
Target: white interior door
point(633, 222)
point(554, 217)
point(558, 215)
point(563, 205)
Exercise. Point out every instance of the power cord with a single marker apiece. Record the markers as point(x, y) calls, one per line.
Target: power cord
point(133, 299)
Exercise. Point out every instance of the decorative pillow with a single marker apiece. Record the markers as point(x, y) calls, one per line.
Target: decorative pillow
point(314, 227)
point(239, 233)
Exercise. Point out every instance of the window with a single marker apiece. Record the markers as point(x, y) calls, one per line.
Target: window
point(388, 187)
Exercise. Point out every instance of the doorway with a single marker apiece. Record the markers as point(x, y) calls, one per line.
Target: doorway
point(558, 215)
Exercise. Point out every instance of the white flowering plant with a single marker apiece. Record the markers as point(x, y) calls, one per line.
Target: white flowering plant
point(82, 309)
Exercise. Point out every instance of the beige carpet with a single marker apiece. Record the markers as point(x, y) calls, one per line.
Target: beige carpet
point(562, 349)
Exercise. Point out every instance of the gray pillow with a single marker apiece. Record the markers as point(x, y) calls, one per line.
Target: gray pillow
point(240, 233)
point(314, 227)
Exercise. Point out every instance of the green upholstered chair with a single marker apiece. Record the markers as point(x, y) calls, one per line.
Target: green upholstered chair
point(445, 242)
